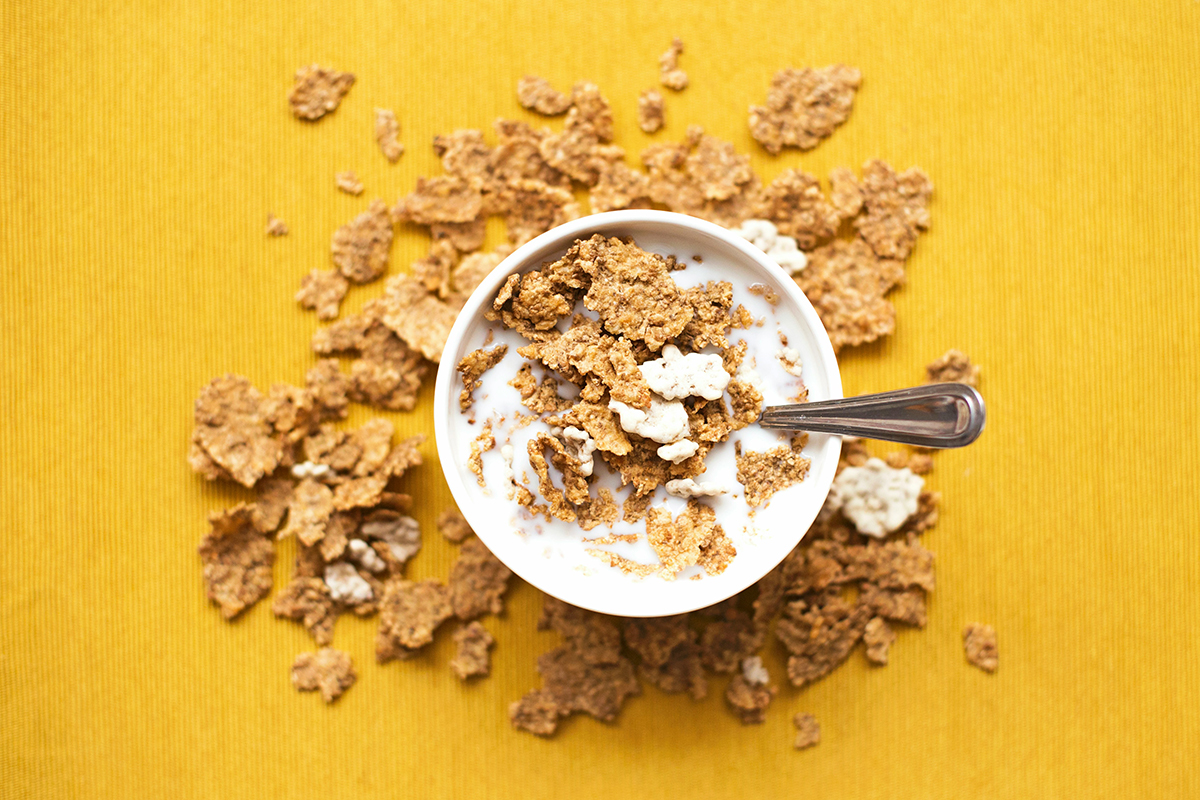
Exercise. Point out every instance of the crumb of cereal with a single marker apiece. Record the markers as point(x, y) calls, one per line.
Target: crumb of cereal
point(808, 731)
point(311, 505)
point(329, 670)
point(804, 106)
point(482, 443)
point(473, 268)
point(308, 601)
point(446, 198)
point(819, 635)
point(322, 291)
point(747, 701)
point(360, 247)
point(409, 613)
point(539, 398)
point(276, 226)
point(729, 641)
point(669, 73)
point(894, 209)
point(844, 192)
point(418, 317)
point(477, 581)
point(635, 506)
point(650, 107)
point(575, 485)
point(670, 656)
point(796, 205)
point(538, 95)
point(764, 473)
point(318, 91)
point(471, 658)
point(979, 641)
point(601, 424)
point(272, 498)
point(387, 134)
point(237, 560)
point(471, 368)
point(349, 182)
point(532, 207)
point(593, 109)
point(878, 637)
point(953, 367)
point(233, 432)
point(598, 510)
point(619, 186)
point(452, 525)
point(847, 283)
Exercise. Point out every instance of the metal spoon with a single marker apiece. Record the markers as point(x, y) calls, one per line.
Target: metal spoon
point(938, 415)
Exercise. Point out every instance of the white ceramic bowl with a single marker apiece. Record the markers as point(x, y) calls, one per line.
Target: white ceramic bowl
point(782, 523)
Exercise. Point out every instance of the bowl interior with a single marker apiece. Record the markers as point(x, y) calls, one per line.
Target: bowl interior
point(530, 551)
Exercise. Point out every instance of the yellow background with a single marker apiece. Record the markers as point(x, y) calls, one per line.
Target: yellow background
point(144, 144)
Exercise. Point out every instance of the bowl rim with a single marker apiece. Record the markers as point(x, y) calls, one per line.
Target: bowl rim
point(521, 259)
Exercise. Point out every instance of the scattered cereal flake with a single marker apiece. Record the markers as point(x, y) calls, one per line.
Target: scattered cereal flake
point(518, 155)
point(764, 473)
point(819, 635)
point(674, 375)
point(601, 424)
point(310, 507)
point(894, 208)
point(670, 656)
point(464, 155)
point(471, 658)
point(878, 637)
point(273, 496)
point(953, 367)
point(627, 566)
point(349, 183)
point(477, 581)
point(322, 291)
point(464, 236)
point(362, 492)
point(318, 91)
point(329, 670)
point(536, 712)
point(845, 193)
point(669, 73)
point(374, 442)
point(893, 564)
point(538, 95)
point(237, 560)
point(746, 403)
point(846, 283)
point(593, 109)
point(452, 525)
point(433, 270)
point(804, 106)
point(446, 198)
point(808, 731)
point(471, 368)
point(574, 683)
point(728, 641)
point(711, 319)
point(308, 601)
point(346, 585)
point(906, 606)
point(694, 537)
point(276, 226)
point(538, 398)
point(482, 443)
point(875, 497)
point(387, 134)
point(416, 316)
point(473, 268)
point(401, 534)
point(619, 186)
point(576, 151)
point(360, 247)
point(748, 701)
point(532, 207)
point(979, 641)
point(593, 635)
point(233, 433)
point(409, 613)
point(795, 203)
point(650, 107)
point(702, 176)
point(574, 482)
point(635, 506)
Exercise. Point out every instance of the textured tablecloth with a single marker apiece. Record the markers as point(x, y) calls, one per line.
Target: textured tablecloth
point(144, 145)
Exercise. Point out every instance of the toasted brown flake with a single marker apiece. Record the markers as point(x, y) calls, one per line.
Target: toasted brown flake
point(273, 496)
point(894, 208)
point(953, 367)
point(421, 320)
point(619, 186)
point(746, 402)
point(318, 91)
point(237, 560)
point(593, 109)
point(650, 109)
point(669, 73)
point(433, 270)
point(276, 226)
point(804, 106)
point(747, 701)
point(598, 510)
point(360, 247)
point(536, 712)
point(979, 641)
point(477, 582)
point(329, 670)
point(819, 635)
point(452, 525)
point(575, 489)
point(387, 134)
point(322, 291)
point(471, 658)
point(680, 543)
point(572, 683)
point(844, 192)
point(709, 420)
point(808, 731)
point(409, 613)
point(539, 398)
point(538, 95)
point(482, 443)
point(670, 656)
point(307, 601)
point(846, 283)
point(464, 236)
point(362, 492)
point(626, 565)
point(388, 373)
point(473, 268)
point(711, 319)
point(892, 564)
point(349, 183)
point(585, 349)
point(532, 207)
point(520, 154)
point(471, 368)
point(310, 507)
point(635, 507)
point(591, 634)
point(601, 424)
point(338, 530)
point(233, 434)
point(445, 198)
point(795, 203)
point(726, 642)
point(765, 473)
point(878, 637)
point(702, 176)
point(464, 155)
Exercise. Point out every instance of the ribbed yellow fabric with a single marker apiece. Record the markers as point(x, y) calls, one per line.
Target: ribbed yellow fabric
point(143, 145)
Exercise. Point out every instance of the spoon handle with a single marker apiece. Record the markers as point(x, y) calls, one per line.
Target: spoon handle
point(938, 415)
